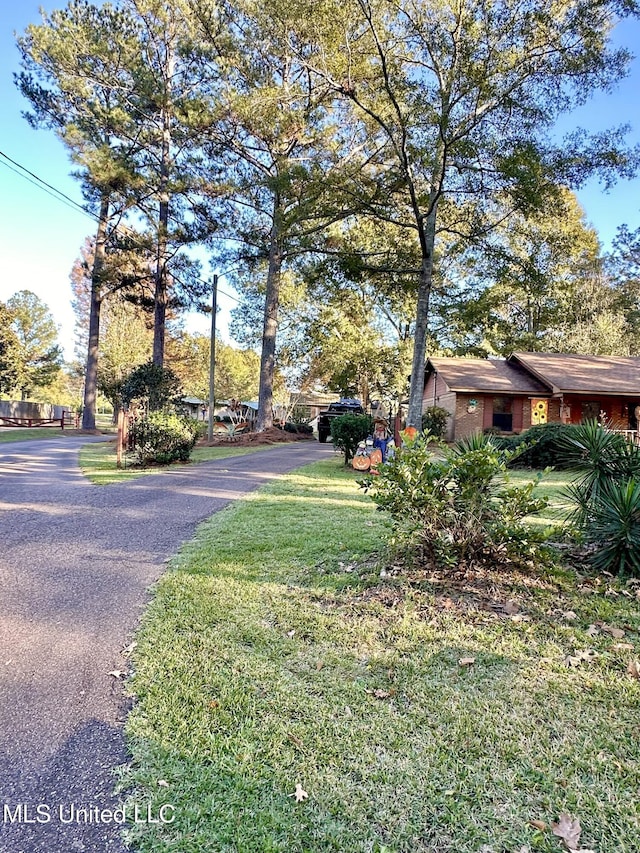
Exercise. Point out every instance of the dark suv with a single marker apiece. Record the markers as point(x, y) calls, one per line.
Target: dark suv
point(342, 407)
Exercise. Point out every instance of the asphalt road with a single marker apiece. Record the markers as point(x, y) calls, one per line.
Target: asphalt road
point(76, 563)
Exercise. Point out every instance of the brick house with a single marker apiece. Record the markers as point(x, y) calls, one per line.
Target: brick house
point(528, 388)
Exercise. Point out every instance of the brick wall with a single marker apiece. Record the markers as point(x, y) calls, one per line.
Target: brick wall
point(467, 423)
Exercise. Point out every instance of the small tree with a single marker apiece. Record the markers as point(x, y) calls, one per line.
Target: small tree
point(38, 356)
point(8, 351)
point(153, 386)
point(347, 431)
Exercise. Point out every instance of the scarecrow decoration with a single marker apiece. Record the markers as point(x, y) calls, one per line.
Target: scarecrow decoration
point(375, 449)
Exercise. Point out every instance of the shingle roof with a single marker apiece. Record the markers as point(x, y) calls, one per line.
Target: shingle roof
point(582, 374)
point(486, 375)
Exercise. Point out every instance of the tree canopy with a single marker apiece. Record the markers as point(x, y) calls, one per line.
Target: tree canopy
point(455, 101)
point(32, 354)
point(396, 138)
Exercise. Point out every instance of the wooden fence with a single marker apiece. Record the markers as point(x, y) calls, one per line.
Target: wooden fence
point(70, 420)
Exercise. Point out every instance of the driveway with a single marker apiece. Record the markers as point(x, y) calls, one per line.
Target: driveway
point(76, 563)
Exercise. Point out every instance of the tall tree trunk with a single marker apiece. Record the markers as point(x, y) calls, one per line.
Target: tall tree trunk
point(160, 295)
point(416, 391)
point(91, 372)
point(270, 328)
point(161, 284)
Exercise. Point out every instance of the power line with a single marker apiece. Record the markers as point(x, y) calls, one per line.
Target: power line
point(58, 195)
point(32, 178)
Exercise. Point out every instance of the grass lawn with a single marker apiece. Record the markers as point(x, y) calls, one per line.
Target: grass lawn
point(8, 434)
point(551, 487)
point(98, 461)
point(274, 655)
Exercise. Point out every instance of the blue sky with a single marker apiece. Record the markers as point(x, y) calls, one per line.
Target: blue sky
point(40, 237)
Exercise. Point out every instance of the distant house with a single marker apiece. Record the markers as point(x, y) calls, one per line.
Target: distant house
point(313, 402)
point(195, 408)
point(528, 388)
point(236, 410)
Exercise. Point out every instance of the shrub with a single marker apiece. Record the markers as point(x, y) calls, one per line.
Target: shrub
point(300, 415)
point(199, 428)
point(457, 507)
point(347, 431)
point(162, 438)
point(547, 447)
point(299, 428)
point(613, 524)
point(434, 421)
point(607, 496)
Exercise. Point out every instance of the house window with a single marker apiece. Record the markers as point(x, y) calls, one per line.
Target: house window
point(502, 413)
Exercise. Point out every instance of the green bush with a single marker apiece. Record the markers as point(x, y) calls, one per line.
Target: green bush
point(458, 506)
point(347, 431)
point(434, 421)
point(298, 428)
point(162, 438)
point(607, 496)
point(547, 447)
point(152, 386)
point(300, 415)
point(199, 428)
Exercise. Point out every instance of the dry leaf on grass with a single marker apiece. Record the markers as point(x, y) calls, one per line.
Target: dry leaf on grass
point(570, 615)
point(592, 630)
point(379, 693)
point(634, 669)
point(580, 656)
point(569, 830)
point(466, 661)
point(616, 633)
point(163, 783)
point(300, 794)
point(538, 824)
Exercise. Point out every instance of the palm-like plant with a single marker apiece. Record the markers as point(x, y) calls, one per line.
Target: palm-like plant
point(607, 496)
point(614, 524)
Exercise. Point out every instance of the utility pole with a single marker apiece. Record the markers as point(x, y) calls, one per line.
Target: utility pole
point(212, 360)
